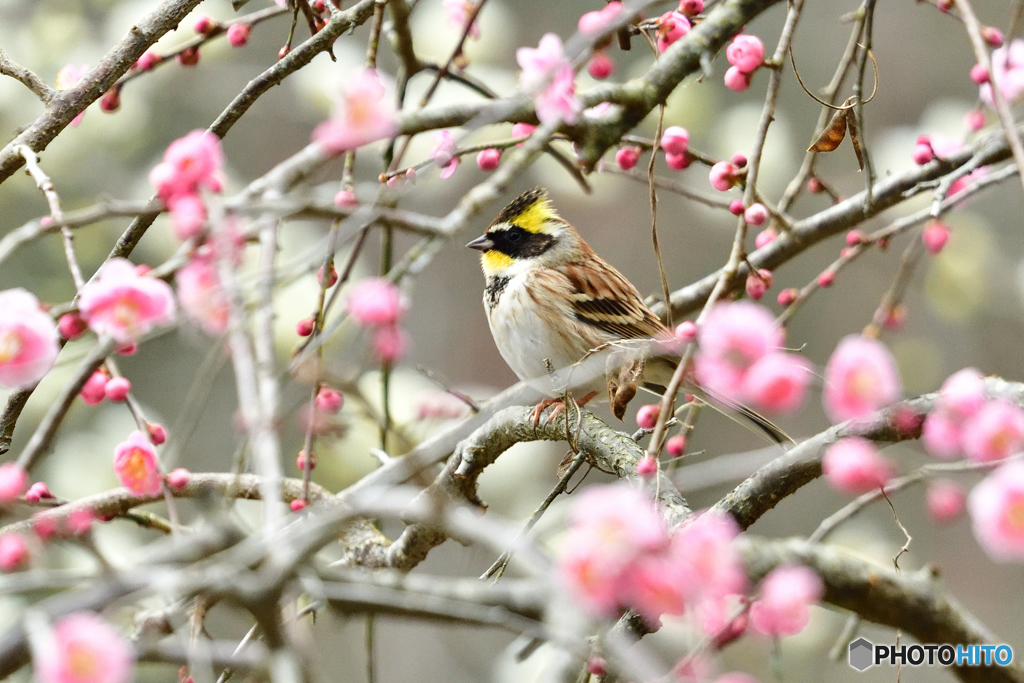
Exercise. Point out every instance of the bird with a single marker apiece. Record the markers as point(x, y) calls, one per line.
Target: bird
point(552, 302)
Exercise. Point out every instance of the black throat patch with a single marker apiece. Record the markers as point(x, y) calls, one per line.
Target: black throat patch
point(495, 286)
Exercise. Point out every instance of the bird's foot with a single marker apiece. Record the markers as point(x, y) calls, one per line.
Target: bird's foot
point(559, 405)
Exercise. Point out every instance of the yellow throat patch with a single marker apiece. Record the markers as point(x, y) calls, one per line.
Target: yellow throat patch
point(494, 262)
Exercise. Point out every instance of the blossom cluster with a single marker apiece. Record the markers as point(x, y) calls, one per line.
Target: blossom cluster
point(378, 304)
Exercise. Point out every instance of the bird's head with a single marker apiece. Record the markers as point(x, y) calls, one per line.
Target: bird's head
point(526, 231)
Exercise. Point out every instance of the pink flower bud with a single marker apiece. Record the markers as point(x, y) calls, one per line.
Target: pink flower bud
point(855, 237)
point(765, 237)
point(758, 284)
point(854, 466)
point(189, 56)
point(676, 445)
point(691, 8)
point(13, 480)
point(596, 666)
point(117, 388)
point(723, 176)
point(111, 100)
point(647, 416)
point(739, 160)
point(178, 478)
point(157, 433)
point(736, 80)
point(375, 302)
point(71, 326)
point(332, 276)
point(600, 66)
point(979, 74)
point(675, 140)
point(488, 159)
point(301, 460)
point(345, 198)
point(686, 331)
point(922, 154)
point(788, 296)
point(390, 342)
point(934, 236)
point(147, 61)
point(946, 500)
point(79, 521)
point(297, 505)
point(814, 186)
point(992, 36)
point(304, 327)
point(626, 157)
point(329, 400)
point(599, 21)
point(204, 25)
point(95, 388)
point(647, 467)
point(944, 5)
point(13, 552)
point(671, 27)
point(283, 52)
point(826, 279)
point(895, 317)
point(746, 53)
point(975, 120)
point(523, 130)
point(677, 162)
point(736, 207)
point(238, 34)
point(37, 492)
point(756, 214)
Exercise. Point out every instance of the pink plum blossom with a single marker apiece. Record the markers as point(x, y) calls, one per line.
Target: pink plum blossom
point(777, 382)
point(363, 115)
point(13, 552)
point(945, 146)
point(736, 80)
point(190, 163)
point(995, 432)
point(1007, 73)
point(599, 21)
point(671, 27)
point(375, 302)
point(136, 466)
point(458, 13)
point(558, 101)
point(786, 594)
point(945, 499)
point(996, 506)
point(443, 153)
point(733, 338)
point(201, 295)
point(188, 215)
point(84, 649)
point(860, 378)
point(691, 8)
point(746, 53)
point(547, 72)
point(942, 435)
point(13, 480)
point(67, 78)
point(390, 342)
point(439, 405)
point(961, 397)
point(29, 342)
point(120, 303)
point(540, 63)
point(853, 465)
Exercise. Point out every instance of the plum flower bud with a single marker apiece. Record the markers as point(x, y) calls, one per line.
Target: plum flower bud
point(136, 466)
point(647, 467)
point(178, 478)
point(979, 74)
point(627, 157)
point(597, 666)
point(599, 21)
point(992, 36)
point(736, 80)
point(945, 499)
point(759, 283)
point(786, 593)
point(671, 27)
point(13, 480)
point(37, 491)
point(676, 445)
point(691, 8)
point(204, 25)
point(297, 505)
point(975, 120)
point(375, 302)
point(111, 100)
point(390, 343)
point(13, 552)
point(723, 176)
point(647, 416)
point(488, 159)
point(746, 53)
point(95, 388)
point(756, 214)
point(826, 278)
point(765, 237)
point(788, 296)
point(600, 66)
point(157, 433)
point(147, 61)
point(84, 649)
point(922, 153)
point(934, 236)
point(675, 140)
point(304, 327)
point(854, 466)
point(677, 162)
point(345, 199)
point(329, 400)
point(117, 389)
point(71, 326)
point(189, 56)
point(238, 34)
point(686, 331)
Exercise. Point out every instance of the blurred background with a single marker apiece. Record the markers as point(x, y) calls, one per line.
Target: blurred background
point(963, 307)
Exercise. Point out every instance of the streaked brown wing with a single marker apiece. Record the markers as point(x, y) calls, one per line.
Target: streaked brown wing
point(603, 298)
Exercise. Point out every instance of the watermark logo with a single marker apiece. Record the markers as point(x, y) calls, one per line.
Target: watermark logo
point(864, 654)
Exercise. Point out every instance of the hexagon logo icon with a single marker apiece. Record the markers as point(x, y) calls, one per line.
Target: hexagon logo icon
point(862, 654)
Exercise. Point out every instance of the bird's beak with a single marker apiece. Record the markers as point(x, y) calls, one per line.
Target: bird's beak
point(481, 243)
